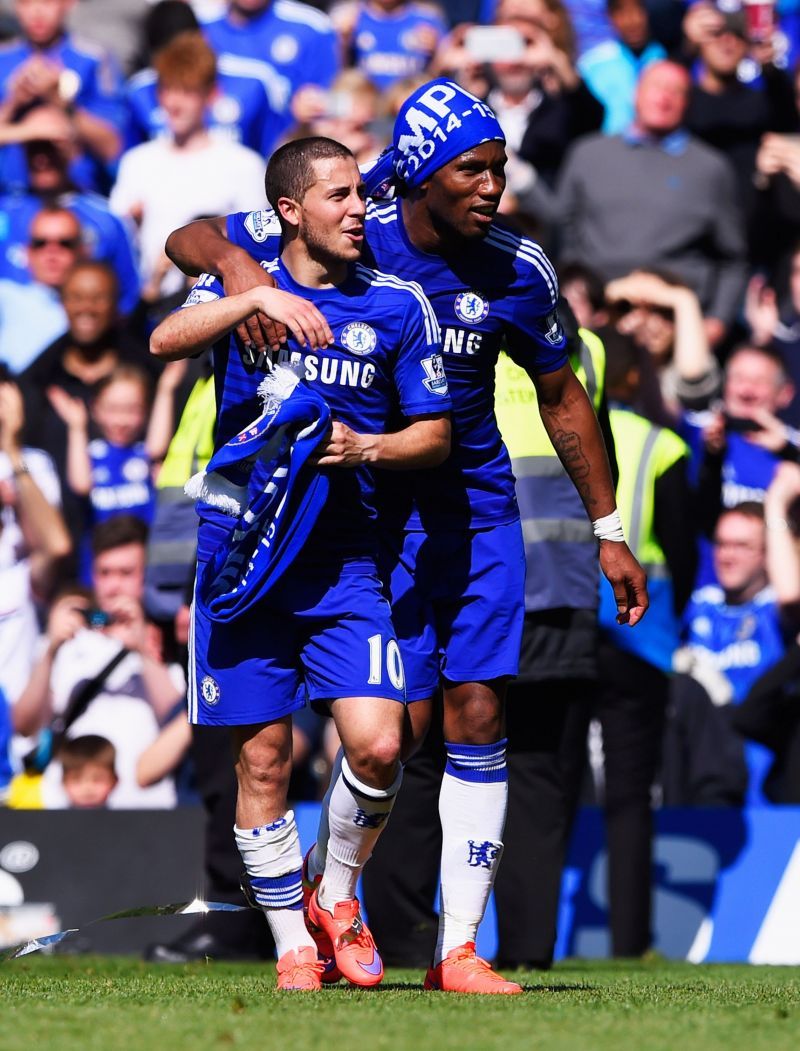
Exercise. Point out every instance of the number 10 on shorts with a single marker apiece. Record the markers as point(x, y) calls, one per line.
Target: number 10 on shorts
point(394, 662)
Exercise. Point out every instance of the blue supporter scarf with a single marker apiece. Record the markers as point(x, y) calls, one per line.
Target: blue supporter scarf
point(436, 124)
point(278, 507)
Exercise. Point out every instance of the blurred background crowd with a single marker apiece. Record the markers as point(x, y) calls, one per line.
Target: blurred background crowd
point(654, 151)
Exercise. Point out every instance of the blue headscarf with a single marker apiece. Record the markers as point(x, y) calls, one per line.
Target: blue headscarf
point(437, 123)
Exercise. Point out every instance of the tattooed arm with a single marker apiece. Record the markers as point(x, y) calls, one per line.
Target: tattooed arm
point(571, 423)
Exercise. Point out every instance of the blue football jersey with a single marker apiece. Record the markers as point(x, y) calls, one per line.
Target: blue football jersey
point(391, 45)
point(241, 110)
point(386, 360)
point(98, 89)
point(296, 40)
point(121, 481)
point(499, 292)
point(743, 641)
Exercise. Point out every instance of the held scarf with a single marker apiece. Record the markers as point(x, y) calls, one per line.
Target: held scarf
point(277, 509)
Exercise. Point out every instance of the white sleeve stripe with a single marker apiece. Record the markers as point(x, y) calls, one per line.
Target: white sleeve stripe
point(525, 247)
point(375, 277)
point(533, 255)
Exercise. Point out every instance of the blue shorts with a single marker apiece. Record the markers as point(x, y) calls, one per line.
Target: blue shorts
point(458, 604)
point(322, 633)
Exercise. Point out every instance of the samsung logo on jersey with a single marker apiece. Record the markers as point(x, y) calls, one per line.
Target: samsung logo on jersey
point(331, 371)
point(460, 341)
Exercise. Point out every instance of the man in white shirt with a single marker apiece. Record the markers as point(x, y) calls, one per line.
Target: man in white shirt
point(170, 181)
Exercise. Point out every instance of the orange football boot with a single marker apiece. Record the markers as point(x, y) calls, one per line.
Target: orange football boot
point(330, 972)
point(353, 946)
point(461, 971)
point(300, 970)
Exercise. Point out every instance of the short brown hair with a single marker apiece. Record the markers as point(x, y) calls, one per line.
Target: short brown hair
point(117, 532)
point(290, 170)
point(76, 752)
point(186, 62)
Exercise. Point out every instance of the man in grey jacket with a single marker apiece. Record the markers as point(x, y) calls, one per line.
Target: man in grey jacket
point(655, 197)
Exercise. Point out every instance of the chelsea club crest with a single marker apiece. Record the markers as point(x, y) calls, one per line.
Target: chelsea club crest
point(209, 690)
point(359, 338)
point(471, 307)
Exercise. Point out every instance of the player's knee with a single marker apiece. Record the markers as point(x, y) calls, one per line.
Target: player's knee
point(475, 720)
point(377, 761)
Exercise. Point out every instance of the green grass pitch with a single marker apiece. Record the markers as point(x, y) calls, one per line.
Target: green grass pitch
point(103, 1003)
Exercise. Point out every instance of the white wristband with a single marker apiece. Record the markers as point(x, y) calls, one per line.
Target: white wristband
point(609, 528)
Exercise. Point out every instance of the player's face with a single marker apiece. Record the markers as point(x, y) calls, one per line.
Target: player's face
point(740, 554)
point(465, 194)
point(120, 411)
point(42, 20)
point(332, 211)
point(90, 301)
point(118, 572)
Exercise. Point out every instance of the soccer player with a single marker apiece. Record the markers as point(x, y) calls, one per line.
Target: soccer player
point(378, 350)
point(457, 574)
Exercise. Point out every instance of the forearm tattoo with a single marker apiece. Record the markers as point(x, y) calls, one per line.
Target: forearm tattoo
point(570, 451)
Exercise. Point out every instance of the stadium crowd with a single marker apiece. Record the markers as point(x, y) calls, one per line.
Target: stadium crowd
point(654, 151)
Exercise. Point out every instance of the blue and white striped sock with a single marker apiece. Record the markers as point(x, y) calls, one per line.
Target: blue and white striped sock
point(472, 810)
point(272, 859)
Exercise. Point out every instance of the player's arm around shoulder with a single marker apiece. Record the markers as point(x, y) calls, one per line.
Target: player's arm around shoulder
point(208, 315)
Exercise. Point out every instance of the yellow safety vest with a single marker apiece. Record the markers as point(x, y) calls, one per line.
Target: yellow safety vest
point(560, 547)
point(645, 451)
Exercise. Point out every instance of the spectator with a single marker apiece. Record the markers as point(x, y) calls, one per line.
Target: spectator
point(353, 106)
point(773, 315)
point(561, 107)
point(33, 542)
point(135, 696)
point(388, 40)
point(769, 713)
point(164, 183)
point(739, 442)
point(114, 473)
point(296, 40)
point(104, 236)
point(656, 198)
point(243, 108)
point(737, 628)
point(47, 66)
point(733, 116)
point(585, 292)
point(664, 318)
point(612, 67)
point(93, 346)
point(89, 773)
point(32, 315)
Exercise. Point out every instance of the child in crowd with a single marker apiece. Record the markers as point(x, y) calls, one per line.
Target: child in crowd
point(89, 772)
point(115, 471)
